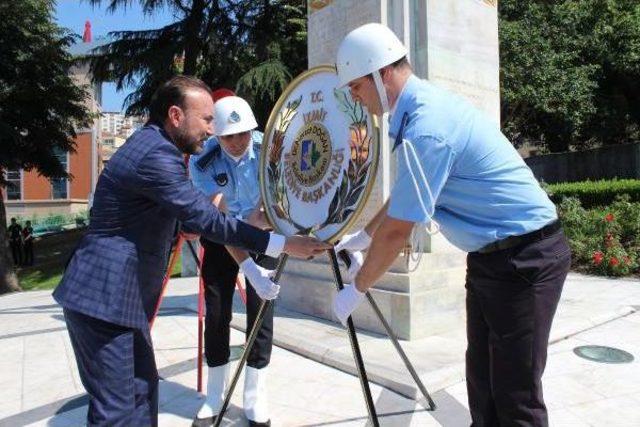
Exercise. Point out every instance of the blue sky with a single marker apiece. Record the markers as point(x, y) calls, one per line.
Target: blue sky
point(72, 14)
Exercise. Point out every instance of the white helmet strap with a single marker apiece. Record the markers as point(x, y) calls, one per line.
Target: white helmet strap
point(382, 94)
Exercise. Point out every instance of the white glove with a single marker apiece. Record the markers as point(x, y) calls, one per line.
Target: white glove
point(346, 301)
point(357, 241)
point(260, 279)
point(357, 259)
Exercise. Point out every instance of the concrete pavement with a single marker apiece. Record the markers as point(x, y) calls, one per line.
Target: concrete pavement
point(310, 383)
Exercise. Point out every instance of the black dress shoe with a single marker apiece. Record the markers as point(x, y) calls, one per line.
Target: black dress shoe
point(203, 422)
point(257, 424)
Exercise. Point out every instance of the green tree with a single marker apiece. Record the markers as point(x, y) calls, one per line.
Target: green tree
point(253, 46)
point(40, 106)
point(570, 72)
point(278, 42)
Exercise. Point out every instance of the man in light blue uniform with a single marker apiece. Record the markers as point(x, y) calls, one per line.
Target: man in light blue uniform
point(216, 172)
point(484, 190)
point(456, 169)
point(227, 172)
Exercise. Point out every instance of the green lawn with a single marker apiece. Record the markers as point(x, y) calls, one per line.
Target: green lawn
point(47, 275)
point(39, 277)
point(177, 269)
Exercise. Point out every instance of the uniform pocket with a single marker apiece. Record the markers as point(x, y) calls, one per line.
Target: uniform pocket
point(542, 259)
point(562, 250)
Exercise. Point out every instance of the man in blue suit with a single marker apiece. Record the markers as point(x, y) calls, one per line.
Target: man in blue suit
point(113, 281)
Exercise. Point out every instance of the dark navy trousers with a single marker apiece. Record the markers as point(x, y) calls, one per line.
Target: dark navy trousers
point(512, 296)
point(118, 370)
point(219, 271)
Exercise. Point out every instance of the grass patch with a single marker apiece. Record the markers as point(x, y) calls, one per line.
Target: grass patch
point(41, 277)
point(177, 269)
point(47, 275)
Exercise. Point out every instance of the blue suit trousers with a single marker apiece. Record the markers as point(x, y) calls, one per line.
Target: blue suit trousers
point(118, 370)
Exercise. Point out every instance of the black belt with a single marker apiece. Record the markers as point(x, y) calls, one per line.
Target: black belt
point(513, 241)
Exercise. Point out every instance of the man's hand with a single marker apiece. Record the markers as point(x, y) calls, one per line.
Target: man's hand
point(357, 241)
point(304, 246)
point(356, 259)
point(346, 301)
point(260, 279)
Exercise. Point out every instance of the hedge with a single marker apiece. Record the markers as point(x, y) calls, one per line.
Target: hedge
point(595, 193)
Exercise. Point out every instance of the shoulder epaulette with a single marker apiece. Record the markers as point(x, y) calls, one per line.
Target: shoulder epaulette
point(400, 135)
point(206, 159)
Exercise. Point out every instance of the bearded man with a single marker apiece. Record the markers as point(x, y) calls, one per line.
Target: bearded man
point(112, 284)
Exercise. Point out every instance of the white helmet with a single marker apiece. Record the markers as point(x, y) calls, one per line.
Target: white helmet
point(366, 50)
point(231, 115)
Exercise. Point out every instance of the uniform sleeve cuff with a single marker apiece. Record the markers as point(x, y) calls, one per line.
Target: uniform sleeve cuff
point(275, 245)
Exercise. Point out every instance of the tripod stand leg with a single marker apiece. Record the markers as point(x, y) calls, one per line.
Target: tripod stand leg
point(250, 341)
point(403, 356)
point(355, 347)
point(198, 260)
point(394, 341)
point(165, 280)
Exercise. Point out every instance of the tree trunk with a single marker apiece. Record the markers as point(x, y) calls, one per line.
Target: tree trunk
point(193, 38)
point(8, 278)
point(262, 29)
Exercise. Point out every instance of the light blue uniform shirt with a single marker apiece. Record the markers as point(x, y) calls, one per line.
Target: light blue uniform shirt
point(483, 190)
point(214, 171)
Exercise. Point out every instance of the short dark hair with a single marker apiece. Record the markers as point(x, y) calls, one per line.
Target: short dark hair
point(402, 62)
point(171, 93)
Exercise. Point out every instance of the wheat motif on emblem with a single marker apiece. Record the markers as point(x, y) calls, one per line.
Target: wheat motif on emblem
point(354, 179)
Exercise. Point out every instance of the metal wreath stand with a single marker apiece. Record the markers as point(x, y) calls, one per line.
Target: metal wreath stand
point(282, 116)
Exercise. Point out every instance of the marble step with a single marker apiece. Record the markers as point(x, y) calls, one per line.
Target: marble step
point(427, 310)
point(400, 281)
point(402, 264)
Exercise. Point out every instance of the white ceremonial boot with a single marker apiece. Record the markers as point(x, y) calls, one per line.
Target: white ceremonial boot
point(255, 402)
point(216, 386)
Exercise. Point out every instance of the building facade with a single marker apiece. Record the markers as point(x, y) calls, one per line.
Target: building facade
point(116, 123)
point(29, 193)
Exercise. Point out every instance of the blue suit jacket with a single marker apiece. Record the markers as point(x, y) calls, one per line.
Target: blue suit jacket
point(117, 269)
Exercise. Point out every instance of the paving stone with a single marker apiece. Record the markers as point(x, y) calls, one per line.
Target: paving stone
point(38, 375)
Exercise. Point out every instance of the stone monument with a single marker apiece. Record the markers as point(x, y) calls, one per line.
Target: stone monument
point(453, 43)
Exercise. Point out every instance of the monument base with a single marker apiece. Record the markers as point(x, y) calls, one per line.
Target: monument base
point(416, 303)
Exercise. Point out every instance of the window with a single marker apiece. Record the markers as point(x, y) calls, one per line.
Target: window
point(14, 184)
point(59, 185)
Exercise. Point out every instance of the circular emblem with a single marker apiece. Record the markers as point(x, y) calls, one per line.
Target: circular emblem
point(310, 154)
point(319, 157)
point(234, 117)
point(222, 179)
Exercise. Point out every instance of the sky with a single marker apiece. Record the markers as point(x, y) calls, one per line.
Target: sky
point(72, 14)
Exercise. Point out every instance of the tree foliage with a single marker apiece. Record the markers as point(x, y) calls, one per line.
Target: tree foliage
point(40, 105)
point(570, 72)
point(253, 46)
